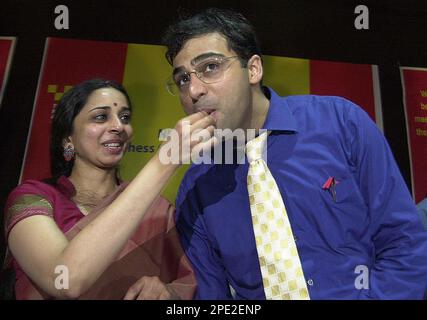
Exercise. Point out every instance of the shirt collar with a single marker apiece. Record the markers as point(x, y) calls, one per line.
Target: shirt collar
point(279, 116)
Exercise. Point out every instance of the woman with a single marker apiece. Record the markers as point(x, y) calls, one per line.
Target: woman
point(86, 234)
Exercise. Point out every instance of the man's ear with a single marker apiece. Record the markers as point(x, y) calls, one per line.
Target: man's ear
point(255, 69)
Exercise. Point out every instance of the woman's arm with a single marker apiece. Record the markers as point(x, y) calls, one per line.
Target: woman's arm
point(40, 247)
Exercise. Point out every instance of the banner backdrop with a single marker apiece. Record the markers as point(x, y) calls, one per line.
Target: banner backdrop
point(143, 70)
point(414, 84)
point(7, 45)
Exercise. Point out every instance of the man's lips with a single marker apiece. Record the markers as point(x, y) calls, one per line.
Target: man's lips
point(212, 113)
point(207, 110)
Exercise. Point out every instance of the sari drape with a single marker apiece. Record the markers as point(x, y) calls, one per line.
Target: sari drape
point(153, 250)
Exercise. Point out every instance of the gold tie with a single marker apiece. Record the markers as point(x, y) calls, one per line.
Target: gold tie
point(281, 270)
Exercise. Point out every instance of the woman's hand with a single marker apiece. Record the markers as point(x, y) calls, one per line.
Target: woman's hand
point(150, 288)
point(190, 137)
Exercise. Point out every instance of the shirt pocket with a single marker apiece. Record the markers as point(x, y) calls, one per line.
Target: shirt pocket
point(345, 201)
point(343, 191)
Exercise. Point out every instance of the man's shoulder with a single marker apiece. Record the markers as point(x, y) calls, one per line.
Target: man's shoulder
point(323, 108)
point(317, 101)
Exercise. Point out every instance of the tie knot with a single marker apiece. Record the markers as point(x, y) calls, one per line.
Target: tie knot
point(255, 148)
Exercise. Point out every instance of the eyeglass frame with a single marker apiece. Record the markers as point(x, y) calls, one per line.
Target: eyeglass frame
point(170, 82)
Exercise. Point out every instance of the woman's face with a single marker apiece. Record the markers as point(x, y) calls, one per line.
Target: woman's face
point(102, 130)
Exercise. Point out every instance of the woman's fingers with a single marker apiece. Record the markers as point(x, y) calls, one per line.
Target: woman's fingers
point(148, 288)
point(194, 133)
point(134, 291)
point(203, 122)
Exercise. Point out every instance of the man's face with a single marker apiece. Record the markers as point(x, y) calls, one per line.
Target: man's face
point(228, 100)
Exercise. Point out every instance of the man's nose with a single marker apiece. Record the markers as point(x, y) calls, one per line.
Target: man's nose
point(197, 88)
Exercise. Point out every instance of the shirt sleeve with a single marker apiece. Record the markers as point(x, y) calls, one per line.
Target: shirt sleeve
point(210, 274)
point(399, 269)
point(174, 262)
point(21, 206)
point(422, 210)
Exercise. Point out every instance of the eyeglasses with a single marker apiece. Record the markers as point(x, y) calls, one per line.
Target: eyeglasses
point(209, 71)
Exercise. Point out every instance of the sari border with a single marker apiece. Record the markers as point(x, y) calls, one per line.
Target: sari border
point(23, 207)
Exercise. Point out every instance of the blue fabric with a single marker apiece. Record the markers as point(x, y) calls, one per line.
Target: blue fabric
point(422, 209)
point(372, 225)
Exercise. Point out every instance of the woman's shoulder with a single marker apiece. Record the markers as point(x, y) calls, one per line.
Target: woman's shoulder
point(32, 197)
point(31, 184)
point(33, 188)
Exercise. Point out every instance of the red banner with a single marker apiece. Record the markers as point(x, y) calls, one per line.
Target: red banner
point(6, 51)
point(414, 82)
point(354, 82)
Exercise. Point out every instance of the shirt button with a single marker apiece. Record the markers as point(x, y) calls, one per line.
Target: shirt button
point(310, 282)
point(295, 238)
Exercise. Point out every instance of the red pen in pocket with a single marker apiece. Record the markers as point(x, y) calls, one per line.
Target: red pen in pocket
point(330, 185)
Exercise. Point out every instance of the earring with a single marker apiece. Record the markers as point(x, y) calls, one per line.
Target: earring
point(68, 153)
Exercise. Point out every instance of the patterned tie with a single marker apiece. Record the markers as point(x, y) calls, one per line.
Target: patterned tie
point(281, 270)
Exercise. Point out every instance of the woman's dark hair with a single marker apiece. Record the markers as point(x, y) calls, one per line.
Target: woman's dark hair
point(238, 31)
point(64, 114)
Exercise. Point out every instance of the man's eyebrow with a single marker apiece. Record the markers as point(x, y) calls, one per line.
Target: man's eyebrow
point(204, 56)
point(177, 70)
point(198, 59)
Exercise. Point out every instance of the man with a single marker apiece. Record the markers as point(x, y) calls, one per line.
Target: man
point(351, 228)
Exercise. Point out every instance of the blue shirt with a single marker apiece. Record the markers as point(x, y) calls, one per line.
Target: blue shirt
point(422, 210)
point(367, 242)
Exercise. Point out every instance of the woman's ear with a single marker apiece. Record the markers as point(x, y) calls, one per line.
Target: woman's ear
point(255, 69)
point(67, 142)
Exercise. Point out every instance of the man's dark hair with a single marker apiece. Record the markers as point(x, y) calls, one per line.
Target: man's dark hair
point(238, 31)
